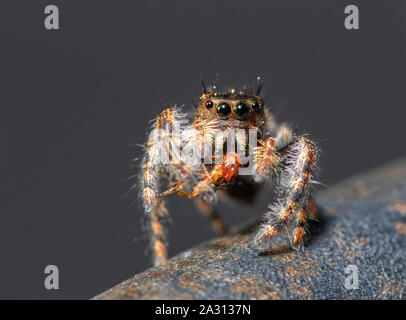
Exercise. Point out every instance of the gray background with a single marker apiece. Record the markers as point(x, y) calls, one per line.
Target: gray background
point(69, 100)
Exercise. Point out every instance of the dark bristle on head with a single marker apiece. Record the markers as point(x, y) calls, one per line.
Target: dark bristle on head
point(204, 87)
point(259, 89)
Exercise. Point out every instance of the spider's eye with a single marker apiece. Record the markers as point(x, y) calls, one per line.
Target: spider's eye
point(223, 110)
point(255, 105)
point(209, 104)
point(241, 110)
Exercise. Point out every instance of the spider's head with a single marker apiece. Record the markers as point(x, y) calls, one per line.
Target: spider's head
point(233, 109)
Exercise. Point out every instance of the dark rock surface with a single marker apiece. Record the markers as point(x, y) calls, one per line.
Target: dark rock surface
point(362, 223)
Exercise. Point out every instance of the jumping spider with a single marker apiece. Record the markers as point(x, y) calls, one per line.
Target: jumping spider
point(278, 154)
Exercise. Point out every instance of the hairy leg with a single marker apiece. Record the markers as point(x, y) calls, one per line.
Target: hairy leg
point(299, 165)
point(266, 159)
point(157, 233)
point(310, 211)
point(159, 152)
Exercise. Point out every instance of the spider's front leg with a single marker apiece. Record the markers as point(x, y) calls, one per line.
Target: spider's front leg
point(297, 162)
point(160, 151)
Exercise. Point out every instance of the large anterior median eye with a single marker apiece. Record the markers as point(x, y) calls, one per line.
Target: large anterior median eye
point(223, 110)
point(241, 110)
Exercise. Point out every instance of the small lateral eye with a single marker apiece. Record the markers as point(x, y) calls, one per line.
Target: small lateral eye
point(255, 105)
point(223, 110)
point(209, 104)
point(240, 110)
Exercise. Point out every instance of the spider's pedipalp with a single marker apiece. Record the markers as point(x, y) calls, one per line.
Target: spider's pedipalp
point(265, 160)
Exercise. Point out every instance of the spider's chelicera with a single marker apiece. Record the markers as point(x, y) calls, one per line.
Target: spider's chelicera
point(233, 144)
